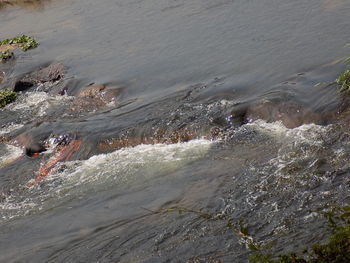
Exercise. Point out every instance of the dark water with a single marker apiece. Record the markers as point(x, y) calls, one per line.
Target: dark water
point(226, 107)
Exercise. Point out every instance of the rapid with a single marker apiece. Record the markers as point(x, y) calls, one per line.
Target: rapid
point(161, 113)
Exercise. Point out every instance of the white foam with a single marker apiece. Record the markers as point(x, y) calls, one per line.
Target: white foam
point(9, 154)
point(124, 164)
point(37, 102)
point(10, 208)
point(293, 170)
point(273, 128)
point(307, 133)
point(73, 179)
point(10, 128)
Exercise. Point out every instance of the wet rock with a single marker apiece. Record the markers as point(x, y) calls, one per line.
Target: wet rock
point(22, 85)
point(47, 75)
point(238, 114)
point(50, 73)
point(291, 115)
point(92, 92)
point(66, 145)
point(4, 139)
point(94, 98)
point(132, 138)
point(34, 148)
point(31, 146)
point(100, 92)
point(85, 104)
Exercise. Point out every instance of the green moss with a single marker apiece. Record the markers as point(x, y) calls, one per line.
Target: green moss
point(6, 55)
point(6, 97)
point(24, 42)
point(337, 250)
point(344, 81)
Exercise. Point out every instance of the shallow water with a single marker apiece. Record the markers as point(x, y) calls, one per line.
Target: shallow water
point(185, 131)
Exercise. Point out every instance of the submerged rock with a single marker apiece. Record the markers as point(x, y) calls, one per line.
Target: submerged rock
point(95, 97)
point(92, 91)
point(292, 115)
point(100, 92)
point(63, 152)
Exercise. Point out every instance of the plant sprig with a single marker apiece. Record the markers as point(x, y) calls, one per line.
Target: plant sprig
point(6, 97)
point(6, 55)
point(344, 81)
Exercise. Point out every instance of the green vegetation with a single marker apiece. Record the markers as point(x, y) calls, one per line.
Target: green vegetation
point(6, 55)
point(24, 42)
point(344, 81)
point(6, 97)
point(337, 250)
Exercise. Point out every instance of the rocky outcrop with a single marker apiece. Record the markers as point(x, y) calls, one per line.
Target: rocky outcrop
point(94, 97)
point(290, 114)
point(46, 76)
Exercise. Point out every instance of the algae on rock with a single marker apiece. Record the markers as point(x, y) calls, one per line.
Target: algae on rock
point(23, 42)
point(6, 97)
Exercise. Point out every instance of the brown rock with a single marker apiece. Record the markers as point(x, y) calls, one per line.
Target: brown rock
point(92, 92)
point(291, 115)
point(94, 97)
point(6, 47)
point(49, 74)
point(160, 136)
point(86, 104)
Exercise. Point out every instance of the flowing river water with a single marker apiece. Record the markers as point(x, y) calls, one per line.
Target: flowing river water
point(225, 108)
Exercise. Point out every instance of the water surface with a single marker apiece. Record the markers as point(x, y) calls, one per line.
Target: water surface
point(181, 66)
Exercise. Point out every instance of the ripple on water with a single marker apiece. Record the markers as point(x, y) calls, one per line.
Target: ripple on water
point(37, 103)
point(287, 193)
